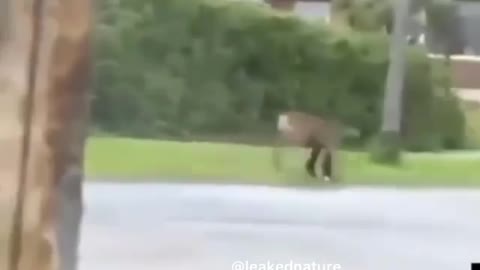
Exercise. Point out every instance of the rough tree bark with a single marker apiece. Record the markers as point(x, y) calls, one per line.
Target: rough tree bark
point(390, 141)
point(45, 236)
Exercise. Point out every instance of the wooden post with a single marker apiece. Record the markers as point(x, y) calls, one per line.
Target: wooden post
point(44, 70)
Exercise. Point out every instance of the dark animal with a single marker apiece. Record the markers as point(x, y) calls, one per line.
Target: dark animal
point(312, 132)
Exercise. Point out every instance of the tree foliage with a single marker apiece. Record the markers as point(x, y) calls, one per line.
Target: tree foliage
point(440, 18)
point(179, 67)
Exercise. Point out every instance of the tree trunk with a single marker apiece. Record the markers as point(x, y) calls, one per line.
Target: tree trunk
point(44, 69)
point(392, 113)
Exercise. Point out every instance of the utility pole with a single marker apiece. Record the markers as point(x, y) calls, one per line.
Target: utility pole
point(390, 136)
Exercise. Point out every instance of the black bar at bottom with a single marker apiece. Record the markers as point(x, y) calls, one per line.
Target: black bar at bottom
point(475, 266)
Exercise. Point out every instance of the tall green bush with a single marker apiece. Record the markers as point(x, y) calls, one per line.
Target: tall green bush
point(450, 122)
point(184, 67)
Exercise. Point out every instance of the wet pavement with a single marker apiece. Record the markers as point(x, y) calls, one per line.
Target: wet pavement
point(208, 227)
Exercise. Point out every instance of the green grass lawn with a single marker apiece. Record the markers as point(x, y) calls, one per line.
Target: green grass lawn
point(148, 160)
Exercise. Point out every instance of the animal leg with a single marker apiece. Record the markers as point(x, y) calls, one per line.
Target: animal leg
point(310, 165)
point(327, 166)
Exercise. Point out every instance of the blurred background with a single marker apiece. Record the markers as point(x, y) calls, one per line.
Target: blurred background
point(221, 71)
point(185, 99)
point(190, 91)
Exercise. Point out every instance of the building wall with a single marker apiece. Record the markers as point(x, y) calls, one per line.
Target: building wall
point(465, 71)
point(465, 74)
point(312, 10)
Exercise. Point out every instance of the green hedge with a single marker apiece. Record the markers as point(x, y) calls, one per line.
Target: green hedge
point(194, 67)
point(433, 117)
point(450, 119)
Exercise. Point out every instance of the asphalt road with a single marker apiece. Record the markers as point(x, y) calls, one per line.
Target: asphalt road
point(208, 227)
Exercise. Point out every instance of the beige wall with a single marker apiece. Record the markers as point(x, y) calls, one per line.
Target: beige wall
point(466, 74)
point(465, 71)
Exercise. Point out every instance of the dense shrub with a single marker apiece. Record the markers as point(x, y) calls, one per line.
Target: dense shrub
point(184, 67)
point(449, 118)
point(440, 123)
point(418, 128)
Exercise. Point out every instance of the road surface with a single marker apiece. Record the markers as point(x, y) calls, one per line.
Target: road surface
point(208, 227)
